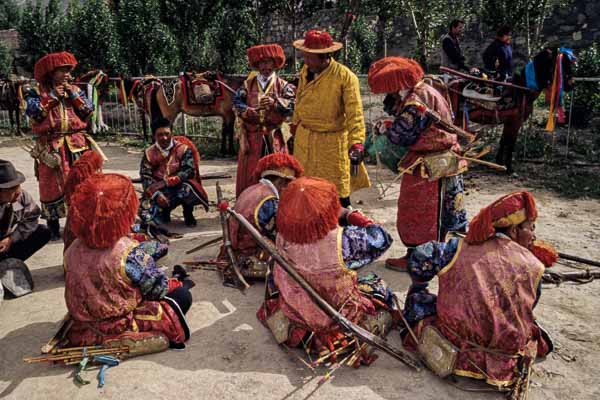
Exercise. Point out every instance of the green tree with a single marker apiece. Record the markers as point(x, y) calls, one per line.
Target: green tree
point(5, 61)
point(362, 46)
point(9, 14)
point(92, 35)
point(148, 46)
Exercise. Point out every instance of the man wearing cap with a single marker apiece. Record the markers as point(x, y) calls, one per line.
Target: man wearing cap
point(431, 194)
point(325, 242)
point(59, 114)
point(263, 103)
point(489, 284)
point(328, 117)
point(258, 204)
point(115, 292)
point(20, 233)
point(170, 177)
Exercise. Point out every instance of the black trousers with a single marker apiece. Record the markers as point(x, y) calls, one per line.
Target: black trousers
point(23, 249)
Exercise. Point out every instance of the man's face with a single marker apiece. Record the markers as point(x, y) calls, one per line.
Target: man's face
point(314, 62)
point(10, 195)
point(458, 30)
point(266, 66)
point(525, 234)
point(60, 75)
point(163, 137)
point(506, 38)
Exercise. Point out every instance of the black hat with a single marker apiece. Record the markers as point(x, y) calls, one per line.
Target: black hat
point(9, 176)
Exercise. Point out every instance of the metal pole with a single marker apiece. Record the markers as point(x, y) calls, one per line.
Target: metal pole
point(570, 116)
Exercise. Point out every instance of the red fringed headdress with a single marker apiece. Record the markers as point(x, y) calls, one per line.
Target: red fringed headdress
point(50, 62)
point(260, 52)
point(278, 164)
point(308, 210)
point(512, 209)
point(319, 42)
point(102, 209)
point(392, 74)
point(87, 165)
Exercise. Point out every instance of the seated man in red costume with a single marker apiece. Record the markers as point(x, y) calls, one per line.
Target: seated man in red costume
point(310, 235)
point(489, 284)
point(258, 204)
point(431, 199)
point(263, 103)
point(113, 289)
point(59, 114)
point(170, 177)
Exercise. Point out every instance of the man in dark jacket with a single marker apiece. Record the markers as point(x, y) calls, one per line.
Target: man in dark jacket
point(20, 233)
point(497, 57)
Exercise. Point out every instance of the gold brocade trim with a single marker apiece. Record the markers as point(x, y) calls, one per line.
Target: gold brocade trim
point(156, 317)
point(124, 260)
point(134, 326)
point(512, 219)
point(257, 209)
point(453, 261)
point(477, 375)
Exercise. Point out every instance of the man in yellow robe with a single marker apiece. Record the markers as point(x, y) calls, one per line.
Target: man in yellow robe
point(328, 117)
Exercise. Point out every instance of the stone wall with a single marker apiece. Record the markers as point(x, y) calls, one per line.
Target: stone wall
point(577, 26)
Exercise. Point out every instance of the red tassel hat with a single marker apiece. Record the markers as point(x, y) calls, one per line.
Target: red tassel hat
point(260, 52)
point(393, 74)
point(308, 210)
point(50, 62)
point(87, 165)
point(278, 164)
point(512, 209)
point(318, 42)
point(102, 209)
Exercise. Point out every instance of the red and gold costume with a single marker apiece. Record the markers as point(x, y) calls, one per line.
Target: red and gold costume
point(258, 204)
point(308, 234)
point(178, 168)
point(59, 125)
point(488, 287)
point(113, 289)
point(431, 195)
point(261, 128)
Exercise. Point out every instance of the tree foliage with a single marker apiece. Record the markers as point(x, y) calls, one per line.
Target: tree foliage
point(5, 62)
point(9, 14)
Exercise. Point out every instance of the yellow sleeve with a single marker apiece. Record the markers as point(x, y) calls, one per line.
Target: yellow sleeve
point(355, 121)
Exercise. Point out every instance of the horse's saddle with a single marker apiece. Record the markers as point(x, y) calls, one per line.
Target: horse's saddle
point(202, 89)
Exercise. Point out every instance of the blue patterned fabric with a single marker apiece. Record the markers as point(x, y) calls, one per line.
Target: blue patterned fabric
point(363, 245)
point(141, 268)
point(407, 127)
point(376, 287)
point(424, 264)
point(266, 217)
point(454, 214)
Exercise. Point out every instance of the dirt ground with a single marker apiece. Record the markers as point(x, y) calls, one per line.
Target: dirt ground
point(231, 355)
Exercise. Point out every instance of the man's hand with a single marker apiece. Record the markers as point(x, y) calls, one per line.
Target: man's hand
point(156, 186)
point(60, 91)
point(266, 102)
point(162, 201)
point(69, 89)
point(474, 71)
point(250, 113)
point(5, 244)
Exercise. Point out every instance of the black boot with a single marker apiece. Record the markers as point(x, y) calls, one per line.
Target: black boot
point(188, 216)
point(54, 226)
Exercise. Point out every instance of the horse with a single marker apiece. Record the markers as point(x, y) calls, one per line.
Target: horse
point(94, 83)
point(11, 99)
point(201, 95)
point(518, 109)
